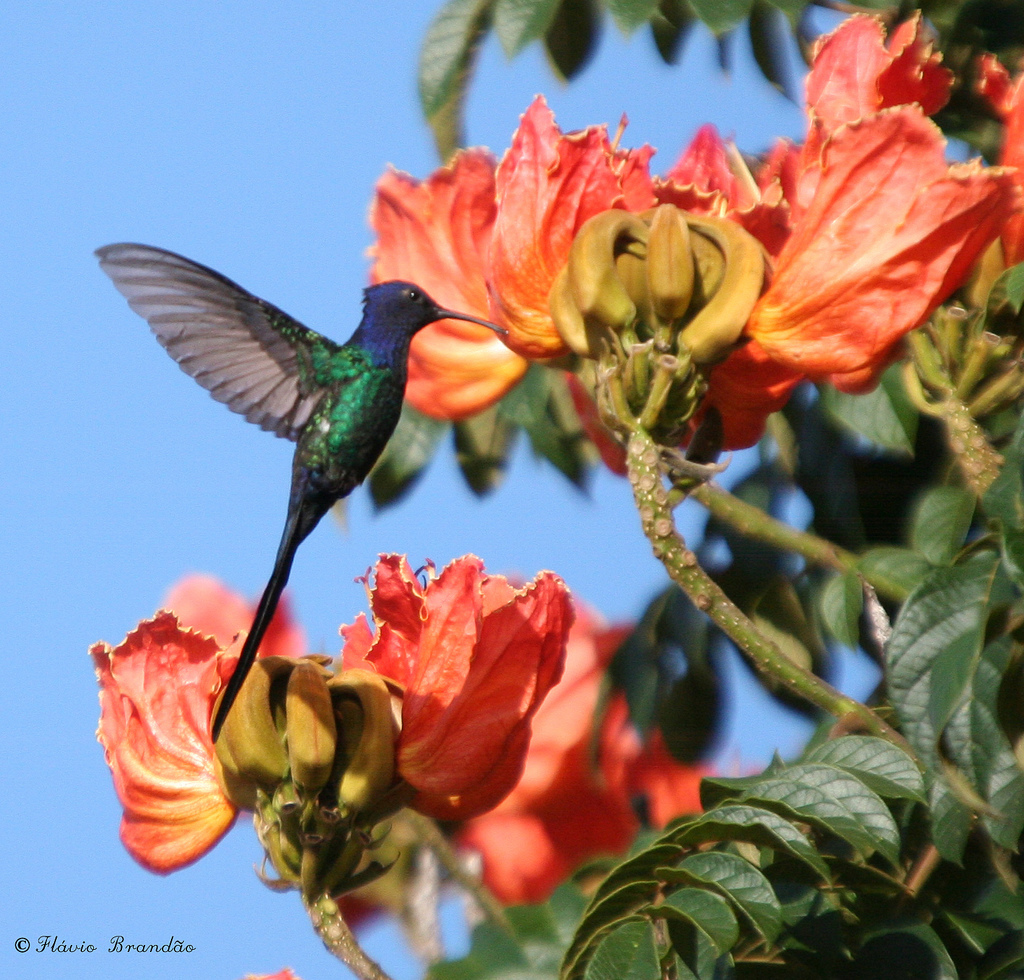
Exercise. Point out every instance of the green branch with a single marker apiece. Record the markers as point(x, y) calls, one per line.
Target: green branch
point(643, 462)
point(755, 523)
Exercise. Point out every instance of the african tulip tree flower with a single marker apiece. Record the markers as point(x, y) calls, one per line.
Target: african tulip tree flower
point(1007, 98)
point(574, 799)
point(889, 232)
point(157, 690)
point(475, 658)
point(470, 657)
point(868, 228)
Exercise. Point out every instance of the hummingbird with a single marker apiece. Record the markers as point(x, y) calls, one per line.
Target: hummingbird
point(339, 403)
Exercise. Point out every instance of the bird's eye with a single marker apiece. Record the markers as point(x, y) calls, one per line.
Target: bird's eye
point(414, 295)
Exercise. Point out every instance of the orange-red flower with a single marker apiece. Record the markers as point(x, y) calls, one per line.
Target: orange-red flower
point(572, 802)
point(889, 232)
point(548, 184)
point(869, 227)
point(855, 73)
point(437, 233)
point(157, 690)
point(476, 658)
point(1007, 97)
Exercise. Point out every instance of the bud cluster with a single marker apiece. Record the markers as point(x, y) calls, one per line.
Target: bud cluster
point(976, 356)
point(656, 299)
point(312, 754)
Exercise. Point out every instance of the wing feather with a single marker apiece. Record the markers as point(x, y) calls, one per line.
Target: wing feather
point(243, 350)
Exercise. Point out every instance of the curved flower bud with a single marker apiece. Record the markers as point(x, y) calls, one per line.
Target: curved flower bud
point(436, 233)
point(476, 657)
point(157, 689)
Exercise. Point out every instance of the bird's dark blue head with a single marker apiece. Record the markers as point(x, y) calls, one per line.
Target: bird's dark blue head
point(392, 313)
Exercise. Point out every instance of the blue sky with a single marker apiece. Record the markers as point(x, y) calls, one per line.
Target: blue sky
point(247, 136)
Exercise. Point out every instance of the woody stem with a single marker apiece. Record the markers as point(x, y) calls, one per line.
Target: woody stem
point(642, 460)
point(339, 939)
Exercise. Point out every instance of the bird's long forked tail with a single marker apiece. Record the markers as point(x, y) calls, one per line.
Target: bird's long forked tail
point(304, 512)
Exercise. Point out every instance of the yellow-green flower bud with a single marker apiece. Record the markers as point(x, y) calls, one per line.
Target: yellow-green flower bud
point(371, 763)
point(599, 294)
point(310, 729)
point(250, 747)
point(567, 317)
point(714, 331)
point(670, 271)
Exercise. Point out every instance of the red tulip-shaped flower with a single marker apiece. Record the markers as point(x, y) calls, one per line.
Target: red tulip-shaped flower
point(475, 658)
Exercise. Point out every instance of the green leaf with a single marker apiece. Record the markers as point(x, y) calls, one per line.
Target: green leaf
point(940, 523)
point(542, 405)
point(628, 953)
point(879, 764)
point(885, 416)
point(754, 825)
point(572, 37)
point(940, 626)
point(769, 35)
point(482, 447)
point(447, 48)
point(791, 8)
point(906, 568)
point(406, 455)
point(842, 601)
point(736, 880)
point(669, 27)
point(981, 750)
point(1004, 499)
point(630, 14)
point(831, 799)
point(1007, 289)
point(518, 22)
point(906, 950)
point(704, 910)
point(721, 15)
point(602, 916)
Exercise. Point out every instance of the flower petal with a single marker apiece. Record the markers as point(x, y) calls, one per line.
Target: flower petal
point(204, 603)
point(436, 233)
point(157, 690)
point(480, 679)
point(890, 232)
point(548, 185)
point(746, 388)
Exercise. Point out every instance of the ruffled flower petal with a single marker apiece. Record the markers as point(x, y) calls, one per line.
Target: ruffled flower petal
point(548, 185)
point(157, 690)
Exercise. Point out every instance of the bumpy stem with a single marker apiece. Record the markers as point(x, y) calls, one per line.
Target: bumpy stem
point(755, 523)
point(978, 461)
point(430, 834)
point(339, 940)
point(642, 460)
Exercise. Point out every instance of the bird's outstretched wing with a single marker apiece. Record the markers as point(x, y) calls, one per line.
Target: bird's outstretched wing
point(246, 352)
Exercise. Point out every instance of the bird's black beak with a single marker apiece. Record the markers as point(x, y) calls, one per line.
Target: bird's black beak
point(452, 315)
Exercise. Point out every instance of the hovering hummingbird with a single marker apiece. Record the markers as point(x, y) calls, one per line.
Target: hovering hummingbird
point(338, 402)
